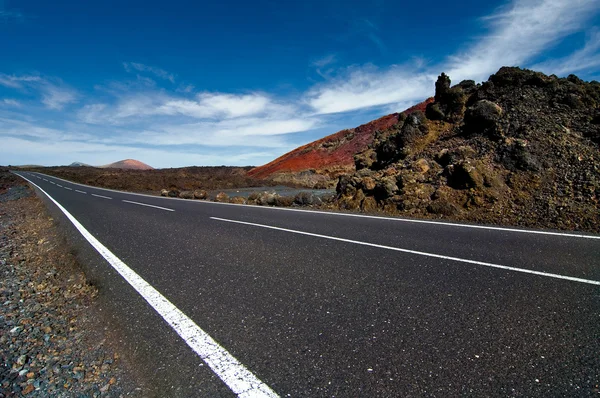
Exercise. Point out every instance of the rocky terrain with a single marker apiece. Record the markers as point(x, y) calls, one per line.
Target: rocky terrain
point(520, 149)
point(319, 163)
point(52, 341)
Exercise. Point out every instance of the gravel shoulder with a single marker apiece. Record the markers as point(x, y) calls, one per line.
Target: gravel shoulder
point(53, 341)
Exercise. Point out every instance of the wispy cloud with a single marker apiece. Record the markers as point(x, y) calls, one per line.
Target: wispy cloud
point(364, 87)
point(53, 92)
point(324, 61)
point(7, 14)
point(584, 59)
point(56, 98)
point(11, 102)
point(158, 72)
point(13, 81)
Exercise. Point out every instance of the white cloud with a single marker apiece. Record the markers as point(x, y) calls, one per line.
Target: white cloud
point(368, 86)
point(251, 132)
point(56, 98)
point(54, 93)
point(211, 105)
point(11, 102)
point(214, 106)
point(163, 74)
point(324, 61)
point(584, 59)
point(17, 81)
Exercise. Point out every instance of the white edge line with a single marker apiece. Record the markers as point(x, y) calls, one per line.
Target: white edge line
point(147, 205)
point(234, 374)
point(100, 196)
point(504, 267)
point(331, 213)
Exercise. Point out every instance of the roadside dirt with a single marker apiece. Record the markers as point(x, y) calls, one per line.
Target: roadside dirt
point(53, 342)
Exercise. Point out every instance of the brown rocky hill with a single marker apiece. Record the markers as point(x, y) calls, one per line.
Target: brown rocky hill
point(319, 163)
point(520, 149)
point(128, 164)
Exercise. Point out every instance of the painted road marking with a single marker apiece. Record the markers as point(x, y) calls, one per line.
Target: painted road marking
point(77, 190)
point(463, 260)
point(100, 196)
point(45, 179)
point(327, 213)
point(235, 375)
point(52, 182)
point(58, 185)
point(145, 204)
point(67, 188)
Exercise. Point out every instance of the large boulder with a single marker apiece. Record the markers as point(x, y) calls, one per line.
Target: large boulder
point(186, 195)
point(306, 199)
point(385, 188)
point(222, 197)
point(463, 175)
point(267, 199)
point(483, 118)
point(238, 200)
point(200, 194)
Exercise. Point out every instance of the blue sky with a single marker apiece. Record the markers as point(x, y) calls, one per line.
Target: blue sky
point(241, 82)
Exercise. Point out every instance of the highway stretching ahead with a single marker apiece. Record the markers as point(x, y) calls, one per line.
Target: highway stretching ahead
point(223, 300)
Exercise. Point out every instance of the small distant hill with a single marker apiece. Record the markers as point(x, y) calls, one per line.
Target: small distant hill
point(130, 164)
point(80, 164)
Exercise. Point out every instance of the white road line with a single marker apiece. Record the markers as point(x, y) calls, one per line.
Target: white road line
point(463, 260)
point(45, 179)
point(145, 204)
point(396, 219)
point(235, 375)
point(100, 196)
point(67, 188)
point(52, 182)
point(77, 190)
point(58, 185)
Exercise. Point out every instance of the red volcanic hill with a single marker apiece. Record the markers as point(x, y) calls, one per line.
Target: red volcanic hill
point(332, 155)
point(130, 164)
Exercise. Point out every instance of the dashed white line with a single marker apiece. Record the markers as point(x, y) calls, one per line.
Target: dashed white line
point(77, 190)
point(232, 372)
point(58, 185)
point(67, 188)
point(146, 204)
point(463, 260)
point(52, 182)
point(100, 196)
point(45, 179)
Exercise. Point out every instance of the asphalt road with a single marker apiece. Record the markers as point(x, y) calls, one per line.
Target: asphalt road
point(330, 305)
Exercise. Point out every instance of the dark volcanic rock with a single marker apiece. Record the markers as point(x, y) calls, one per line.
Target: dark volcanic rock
point(519, 149)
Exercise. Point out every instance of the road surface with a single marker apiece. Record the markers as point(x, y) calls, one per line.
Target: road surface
point(223, 300)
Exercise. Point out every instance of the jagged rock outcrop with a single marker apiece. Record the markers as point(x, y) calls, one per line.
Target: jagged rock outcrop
point(521, 148)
